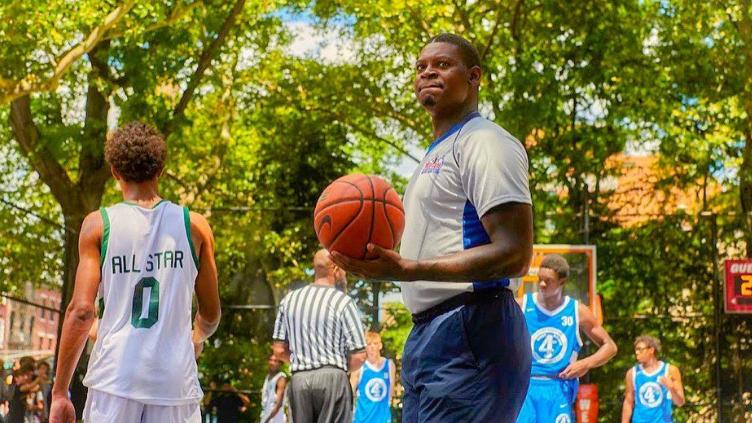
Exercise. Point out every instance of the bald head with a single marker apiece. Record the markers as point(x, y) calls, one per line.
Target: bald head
point(325, 271)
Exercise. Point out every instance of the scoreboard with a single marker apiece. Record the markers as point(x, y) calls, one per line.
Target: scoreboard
point(738, 287)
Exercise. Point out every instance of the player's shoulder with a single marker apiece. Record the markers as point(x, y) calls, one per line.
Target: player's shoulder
point(199, 225)
point(483, 129)
point(93, 224)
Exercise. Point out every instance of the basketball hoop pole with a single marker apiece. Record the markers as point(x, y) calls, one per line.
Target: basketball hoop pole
point(586, 241)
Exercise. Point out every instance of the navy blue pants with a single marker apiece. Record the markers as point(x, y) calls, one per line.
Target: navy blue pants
point(470, 363)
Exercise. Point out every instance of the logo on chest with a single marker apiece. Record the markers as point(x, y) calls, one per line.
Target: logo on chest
point(651, 395)
point(433, 166)
point(549, 345)
point(376, 390)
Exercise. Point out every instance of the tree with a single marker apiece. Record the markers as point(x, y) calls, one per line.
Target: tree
point(66, 149)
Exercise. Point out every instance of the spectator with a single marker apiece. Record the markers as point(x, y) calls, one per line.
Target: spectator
point(45, 388)
point(23, 385)
point(318, 330)
point(273, 393)
point(229, 403)
point(374, 384)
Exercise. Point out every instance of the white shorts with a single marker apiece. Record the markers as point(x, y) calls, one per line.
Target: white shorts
point(105, 408)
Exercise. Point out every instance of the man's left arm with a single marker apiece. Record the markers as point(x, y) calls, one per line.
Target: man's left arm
point(606, 346)
point(354, 336)
point(280, 344)
point(674, 384)
point(493, 173)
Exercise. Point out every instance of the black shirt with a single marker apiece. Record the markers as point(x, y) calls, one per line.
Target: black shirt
point(17, 406)
point(228, 407)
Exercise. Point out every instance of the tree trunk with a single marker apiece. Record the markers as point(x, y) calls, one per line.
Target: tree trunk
point(745, 186)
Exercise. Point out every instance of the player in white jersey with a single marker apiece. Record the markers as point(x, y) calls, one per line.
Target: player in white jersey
point(468, 235)
point(273, 393)
point(142, 259)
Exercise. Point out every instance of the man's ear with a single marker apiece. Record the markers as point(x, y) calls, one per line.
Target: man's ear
point(474, 75)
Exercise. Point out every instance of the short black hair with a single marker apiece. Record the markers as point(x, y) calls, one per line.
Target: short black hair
point(556, 263)
point(470, 55)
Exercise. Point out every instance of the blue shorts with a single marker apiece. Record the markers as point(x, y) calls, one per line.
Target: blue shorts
point(469, 363)
point(549, 401)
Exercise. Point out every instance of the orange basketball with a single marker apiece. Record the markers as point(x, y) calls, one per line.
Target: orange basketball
point(355, 210)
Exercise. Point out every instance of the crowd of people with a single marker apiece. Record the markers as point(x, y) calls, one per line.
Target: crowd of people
point(25, 392)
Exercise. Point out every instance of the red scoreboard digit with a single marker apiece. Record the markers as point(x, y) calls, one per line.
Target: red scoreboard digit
point(738, 287)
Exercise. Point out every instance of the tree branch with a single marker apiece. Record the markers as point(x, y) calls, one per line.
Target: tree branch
point(41, 158)
point(177, 14)
point(207, 55)
point(463, 16)
point(27, 85)
point(492, 37)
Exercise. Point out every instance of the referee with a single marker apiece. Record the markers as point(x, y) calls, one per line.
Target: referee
point(319, 332)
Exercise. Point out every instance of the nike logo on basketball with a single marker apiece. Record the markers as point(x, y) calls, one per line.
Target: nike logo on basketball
point(324, 221)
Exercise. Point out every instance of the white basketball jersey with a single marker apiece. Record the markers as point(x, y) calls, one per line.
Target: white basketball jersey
point(144, 350)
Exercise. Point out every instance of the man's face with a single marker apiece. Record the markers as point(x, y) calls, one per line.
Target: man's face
point(643, 353)
point(273, 363)
point(23, 378)
point(549, 283)
point(442, 80)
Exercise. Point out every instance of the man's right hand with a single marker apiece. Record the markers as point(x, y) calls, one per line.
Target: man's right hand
point(61, 410)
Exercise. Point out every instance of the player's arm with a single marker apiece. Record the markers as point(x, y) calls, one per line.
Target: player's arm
point(510, 229)
point(207, 290)
point(354, 379)
point(93, 330)
point(674, 384)
point(29, 387)
point(392, 379)
point(279, 395)
point(79, 316)
point(628, 405)
point(606, 346)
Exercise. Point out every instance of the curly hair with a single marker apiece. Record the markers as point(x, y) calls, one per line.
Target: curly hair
point(137, 151)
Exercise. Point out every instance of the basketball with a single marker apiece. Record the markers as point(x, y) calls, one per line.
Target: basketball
point(356, 210)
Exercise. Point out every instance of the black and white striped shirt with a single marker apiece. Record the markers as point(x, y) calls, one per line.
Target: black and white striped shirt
point(321, 326)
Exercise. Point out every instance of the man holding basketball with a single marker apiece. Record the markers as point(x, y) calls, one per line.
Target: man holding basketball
point(468, 234)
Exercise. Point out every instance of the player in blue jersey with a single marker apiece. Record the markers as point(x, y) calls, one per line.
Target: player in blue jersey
point(554, 321)
point(652, 387)
point(373, 384)
point(468, 238)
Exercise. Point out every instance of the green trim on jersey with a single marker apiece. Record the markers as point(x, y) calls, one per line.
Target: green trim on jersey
point(100, 308)
point(105, 236)
point(131, 203)
point(187, 219)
